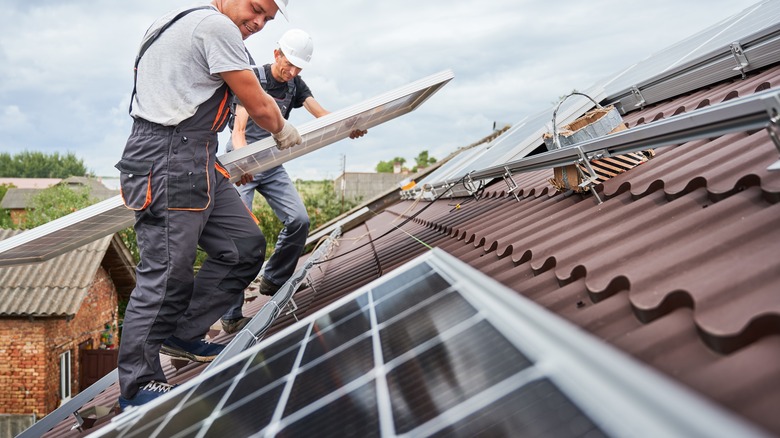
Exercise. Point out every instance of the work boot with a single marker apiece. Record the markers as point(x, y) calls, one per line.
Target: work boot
point(145, 394)
point(231, 326)
point(196, 351)
point(267, 288)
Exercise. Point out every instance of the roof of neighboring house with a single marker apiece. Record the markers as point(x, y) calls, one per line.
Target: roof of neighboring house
point(30, 183)
point(58, 286)
point(17, 198)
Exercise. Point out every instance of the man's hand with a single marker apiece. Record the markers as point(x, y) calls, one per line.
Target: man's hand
point(357, 133)
point(245, 178)
point(287, 137)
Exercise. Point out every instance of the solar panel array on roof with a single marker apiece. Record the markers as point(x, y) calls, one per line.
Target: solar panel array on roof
point(426, 351)
point(700, 60)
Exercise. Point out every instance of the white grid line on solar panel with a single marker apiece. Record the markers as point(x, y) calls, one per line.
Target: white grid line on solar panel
point(273, 427)
point(378, 373)
point(478, 402)
point(386, 426)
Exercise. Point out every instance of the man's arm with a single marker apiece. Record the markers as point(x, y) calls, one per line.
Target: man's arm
point(238, 136)
point(257, 103)
point(314, 107)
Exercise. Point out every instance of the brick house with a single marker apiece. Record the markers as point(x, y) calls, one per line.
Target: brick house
point(52, 318)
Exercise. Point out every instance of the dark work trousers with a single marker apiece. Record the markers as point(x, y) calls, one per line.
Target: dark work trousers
point(170, 177)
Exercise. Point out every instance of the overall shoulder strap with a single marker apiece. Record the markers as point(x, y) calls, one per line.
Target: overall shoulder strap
point(152, 38)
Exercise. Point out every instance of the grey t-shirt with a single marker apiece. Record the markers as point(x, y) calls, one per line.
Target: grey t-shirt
point(181, 69)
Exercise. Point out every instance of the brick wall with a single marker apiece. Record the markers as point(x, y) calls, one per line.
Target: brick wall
point(23, 366)
point(30, 378)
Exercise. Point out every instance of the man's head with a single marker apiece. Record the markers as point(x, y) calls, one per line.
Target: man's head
point(293, 55)
point(251, 15)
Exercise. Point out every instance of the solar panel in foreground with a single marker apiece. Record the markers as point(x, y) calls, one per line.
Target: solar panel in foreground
point(433, 349)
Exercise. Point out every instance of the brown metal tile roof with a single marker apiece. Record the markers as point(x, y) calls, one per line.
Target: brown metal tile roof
point(55, 287)
point(678, 267)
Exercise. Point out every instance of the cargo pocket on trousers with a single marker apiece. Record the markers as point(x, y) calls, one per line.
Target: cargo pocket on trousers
point(135, 183)
point(189, 191)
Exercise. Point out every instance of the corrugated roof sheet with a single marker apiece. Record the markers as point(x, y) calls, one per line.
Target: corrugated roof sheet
point(56, 287)
point(17, 198)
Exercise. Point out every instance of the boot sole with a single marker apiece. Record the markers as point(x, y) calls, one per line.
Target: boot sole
point(179, 354)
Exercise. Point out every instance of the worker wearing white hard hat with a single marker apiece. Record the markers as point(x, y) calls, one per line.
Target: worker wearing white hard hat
point(281, 80)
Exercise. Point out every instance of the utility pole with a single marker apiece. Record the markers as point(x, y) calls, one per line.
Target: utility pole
point(343, 179)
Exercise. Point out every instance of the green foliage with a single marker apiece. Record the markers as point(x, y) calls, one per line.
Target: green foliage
point(387, 166)
point(423, 160)
point(39, 165)
point(4, 189)
point(5, 215)
point(55, 202)
point(129, 238)
point(322, 204)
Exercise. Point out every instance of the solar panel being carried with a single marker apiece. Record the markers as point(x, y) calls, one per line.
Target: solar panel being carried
point(432, 349)
point(84, 226)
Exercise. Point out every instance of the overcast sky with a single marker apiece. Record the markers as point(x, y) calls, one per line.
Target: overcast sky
point(66, 66)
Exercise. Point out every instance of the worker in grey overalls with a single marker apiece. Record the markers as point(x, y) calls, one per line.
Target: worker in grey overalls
point(181, 195)
point(281, 81)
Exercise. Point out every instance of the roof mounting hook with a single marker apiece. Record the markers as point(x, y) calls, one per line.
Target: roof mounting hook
point(293, 307)
point(773, 127)
point(739, 56)
point(640, 100)
point(511, 183)
point(589, 181)
point(468, 183)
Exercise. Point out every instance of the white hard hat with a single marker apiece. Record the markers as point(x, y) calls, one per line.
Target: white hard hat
point(297, 47)
point(282, 4)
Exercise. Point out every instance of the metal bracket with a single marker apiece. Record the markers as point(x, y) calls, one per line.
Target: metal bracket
point(739, 56)
point(468, 183)
point(587, 180)
point(773, 127)
point(293, 307)
point(511, 183)
point(640, 100)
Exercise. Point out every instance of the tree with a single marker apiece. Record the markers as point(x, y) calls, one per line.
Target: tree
point(5, 215)
point(55, 202)
point(423, 160)
point(39, 165)
point(388, 166)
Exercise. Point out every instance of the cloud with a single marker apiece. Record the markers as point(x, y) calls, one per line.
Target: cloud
point(66, 66)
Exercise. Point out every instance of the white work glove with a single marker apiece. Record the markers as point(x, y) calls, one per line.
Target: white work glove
point(287, 137)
